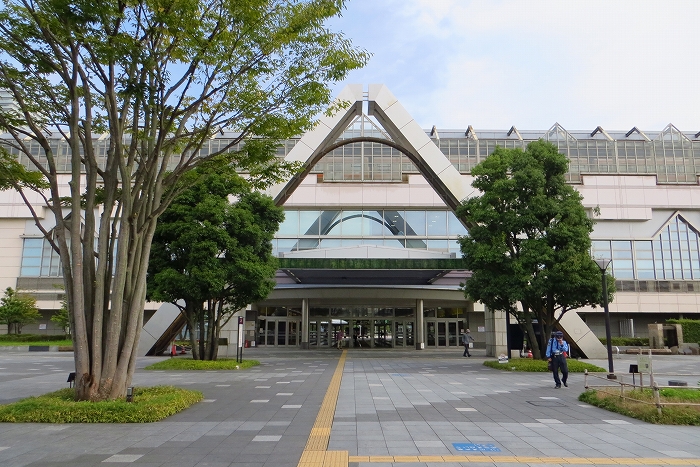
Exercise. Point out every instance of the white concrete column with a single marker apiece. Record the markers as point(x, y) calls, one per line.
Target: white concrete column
point(420, 343)
point(304, 323)
point(496, 335)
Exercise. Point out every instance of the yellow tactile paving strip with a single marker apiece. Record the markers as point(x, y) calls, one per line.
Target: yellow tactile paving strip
point(526, 460)
point(316, 455)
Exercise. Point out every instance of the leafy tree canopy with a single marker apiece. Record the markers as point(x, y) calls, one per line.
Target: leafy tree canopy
point(214, 254)
point(16, 310)
point(120, 100)
point(529, 238)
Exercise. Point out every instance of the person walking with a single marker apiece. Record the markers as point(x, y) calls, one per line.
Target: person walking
point(340, 339)
point(557, 353)
point(466, 339)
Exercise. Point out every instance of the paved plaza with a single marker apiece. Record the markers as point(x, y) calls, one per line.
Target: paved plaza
point(367, 408)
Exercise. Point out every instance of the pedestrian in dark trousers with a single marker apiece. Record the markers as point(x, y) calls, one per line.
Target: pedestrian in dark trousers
point(557, 352)
point(466, 339)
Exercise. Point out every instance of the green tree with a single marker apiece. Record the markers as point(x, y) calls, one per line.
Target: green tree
point(211, 257)
point(16, 310)
point(136, 91)
point(529, 240)
point(62, 318)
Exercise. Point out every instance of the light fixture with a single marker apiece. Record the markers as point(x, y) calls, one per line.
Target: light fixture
point(603, 264)
point(130, 394)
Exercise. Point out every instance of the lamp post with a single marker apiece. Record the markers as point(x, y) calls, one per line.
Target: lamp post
point(603, 265)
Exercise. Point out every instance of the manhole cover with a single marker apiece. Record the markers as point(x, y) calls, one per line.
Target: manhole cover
point(546, 403)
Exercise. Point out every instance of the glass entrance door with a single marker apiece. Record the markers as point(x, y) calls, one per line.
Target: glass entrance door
point(403, 334)
point(383, 335)
point(278, 332)
point(293, 332)
point(362, 333)
point(452, 334)
point(442, 333)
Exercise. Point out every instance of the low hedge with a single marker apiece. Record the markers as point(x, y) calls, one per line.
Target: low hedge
point(626, 341)
point(31, 338)
point(150, 405)
point(187, 363)
point(532, 365)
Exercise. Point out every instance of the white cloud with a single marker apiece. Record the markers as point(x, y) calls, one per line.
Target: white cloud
point(530, 63)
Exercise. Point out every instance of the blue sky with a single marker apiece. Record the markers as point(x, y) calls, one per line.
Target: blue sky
point(531, 63)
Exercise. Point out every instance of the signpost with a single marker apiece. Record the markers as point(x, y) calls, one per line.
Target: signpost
point(239, 347)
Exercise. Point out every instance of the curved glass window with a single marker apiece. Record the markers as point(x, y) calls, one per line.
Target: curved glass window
point(435, 230)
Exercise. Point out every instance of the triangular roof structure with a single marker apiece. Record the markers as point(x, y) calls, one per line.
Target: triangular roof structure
point(558, 133)
point(513, 132)
point(674, 216)
point(404, 133)
point(601, 133)
point(635, 133)
point(671, 133)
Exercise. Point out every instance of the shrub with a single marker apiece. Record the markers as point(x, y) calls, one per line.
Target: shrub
point(181, 363)
point(626, 341)
point(149, 405)
point(691, 329)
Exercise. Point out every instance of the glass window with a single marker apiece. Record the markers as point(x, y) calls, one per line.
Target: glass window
point(454, 248)
point(376, 223)
point(454, 226)
point(415, 222)
point(309, 222)
point(395, 222)
point(39, 259)
point(330, 222)
point(438, 245)
point(290, 226)
point(286, 245)
point(354, 224)
point(437, 223)
point(330, 243)
point(394, 243)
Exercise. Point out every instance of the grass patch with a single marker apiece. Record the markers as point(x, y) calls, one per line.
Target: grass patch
point(532, 365)
point(62, 343)
point(149, 405)
point(670, 415)
point(186, 363)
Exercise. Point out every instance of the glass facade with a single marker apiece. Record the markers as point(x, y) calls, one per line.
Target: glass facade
point(39, 259)
point(672, 254)
point(671, 155)
point(436, 230)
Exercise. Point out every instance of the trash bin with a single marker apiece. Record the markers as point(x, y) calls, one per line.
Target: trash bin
point(247, 343)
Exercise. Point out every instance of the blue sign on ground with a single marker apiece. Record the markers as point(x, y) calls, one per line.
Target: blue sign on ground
point(475, 447)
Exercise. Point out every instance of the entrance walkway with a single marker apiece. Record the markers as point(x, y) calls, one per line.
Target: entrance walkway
point(357, 408)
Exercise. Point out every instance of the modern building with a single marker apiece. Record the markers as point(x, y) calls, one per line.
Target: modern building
point(369, 253)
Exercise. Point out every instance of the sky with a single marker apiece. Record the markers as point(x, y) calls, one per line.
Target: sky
point(532, 63)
